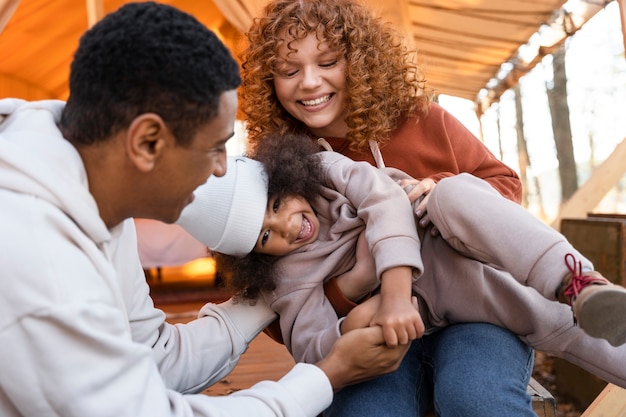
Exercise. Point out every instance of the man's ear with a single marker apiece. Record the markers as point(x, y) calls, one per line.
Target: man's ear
point(146, 138)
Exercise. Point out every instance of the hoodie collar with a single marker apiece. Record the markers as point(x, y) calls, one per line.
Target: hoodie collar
point(36, 159)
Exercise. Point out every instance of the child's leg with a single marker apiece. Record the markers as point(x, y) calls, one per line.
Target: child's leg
point(459, 289)
point(478, 222)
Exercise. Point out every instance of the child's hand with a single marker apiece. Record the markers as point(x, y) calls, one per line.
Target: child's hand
point(361, 279)
point(400, 320)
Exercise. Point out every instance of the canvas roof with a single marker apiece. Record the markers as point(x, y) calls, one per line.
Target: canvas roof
point(464, 45)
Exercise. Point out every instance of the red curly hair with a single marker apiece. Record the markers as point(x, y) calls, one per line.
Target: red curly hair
point(383, 80)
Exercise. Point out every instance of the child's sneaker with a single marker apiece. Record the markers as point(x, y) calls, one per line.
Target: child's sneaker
point(599, 306)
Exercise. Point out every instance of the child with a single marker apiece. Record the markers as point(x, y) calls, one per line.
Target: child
point(287, 249)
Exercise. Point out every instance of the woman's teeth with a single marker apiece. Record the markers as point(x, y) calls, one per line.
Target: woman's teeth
point(317, 101)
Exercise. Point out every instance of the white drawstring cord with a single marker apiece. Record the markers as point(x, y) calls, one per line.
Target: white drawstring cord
point(378, 157)
point(322, 142)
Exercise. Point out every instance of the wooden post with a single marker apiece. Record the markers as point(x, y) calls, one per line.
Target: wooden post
point(94, 12)
point(587, 197)
point(7, 8)
point(622, 14)
point(610, 403)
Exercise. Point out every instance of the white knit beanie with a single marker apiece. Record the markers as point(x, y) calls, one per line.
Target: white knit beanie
point(227, 212)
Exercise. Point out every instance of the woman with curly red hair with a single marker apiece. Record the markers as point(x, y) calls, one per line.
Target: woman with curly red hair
point(332, 71)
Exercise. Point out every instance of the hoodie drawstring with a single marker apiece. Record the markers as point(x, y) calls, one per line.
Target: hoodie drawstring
point(378, 156)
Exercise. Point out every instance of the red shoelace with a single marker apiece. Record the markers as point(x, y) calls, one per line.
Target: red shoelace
point(579, 279)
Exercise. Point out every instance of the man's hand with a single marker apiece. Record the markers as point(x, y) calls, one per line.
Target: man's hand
point(360, 355)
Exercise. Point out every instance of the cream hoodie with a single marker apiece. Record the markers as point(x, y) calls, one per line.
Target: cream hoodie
point(79, 335)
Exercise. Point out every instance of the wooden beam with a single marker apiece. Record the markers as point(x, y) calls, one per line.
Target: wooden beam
point(622, 14)
point(601, 181)
point(610, 403)
point(7, 8)
point(95, 11)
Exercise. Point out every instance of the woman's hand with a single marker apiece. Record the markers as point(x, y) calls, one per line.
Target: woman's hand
point(416, 190)
point(361, 279)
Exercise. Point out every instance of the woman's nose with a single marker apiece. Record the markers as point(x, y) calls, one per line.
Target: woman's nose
point(310, 78)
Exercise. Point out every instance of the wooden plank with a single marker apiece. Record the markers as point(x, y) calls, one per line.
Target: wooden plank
point(622, 14)
point(7, 8)
point(610, 403)
point(265, 359)
point(587, 197)
point(95, 11)
point(544, 404)
point(602, 240)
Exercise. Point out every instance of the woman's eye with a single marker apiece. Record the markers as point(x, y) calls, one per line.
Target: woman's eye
point(266, 236)
point(328, 64)
point(276, 205)
point(286, 72)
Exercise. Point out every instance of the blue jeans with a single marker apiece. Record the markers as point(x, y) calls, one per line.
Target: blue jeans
point(465, 370)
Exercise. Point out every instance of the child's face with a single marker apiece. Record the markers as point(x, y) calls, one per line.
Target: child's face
point(310, 84)
point(289, 224)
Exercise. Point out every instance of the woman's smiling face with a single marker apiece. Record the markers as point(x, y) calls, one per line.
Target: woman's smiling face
point(310, 83)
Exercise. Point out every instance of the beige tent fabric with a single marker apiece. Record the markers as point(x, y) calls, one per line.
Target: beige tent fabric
point(240, 12)
point(462, 44)
point(395, 11)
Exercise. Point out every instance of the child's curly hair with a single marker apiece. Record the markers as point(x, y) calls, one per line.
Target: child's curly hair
point(293, 169)
point(383, 79)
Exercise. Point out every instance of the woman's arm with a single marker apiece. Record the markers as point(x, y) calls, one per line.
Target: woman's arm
point(361, 280)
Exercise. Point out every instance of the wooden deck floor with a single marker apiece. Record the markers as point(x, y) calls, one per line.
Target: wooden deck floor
point(264, 360)
point(269, 360)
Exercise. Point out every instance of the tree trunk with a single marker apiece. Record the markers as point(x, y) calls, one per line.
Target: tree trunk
point(522, 149)
point(498, 128)
point(524, 159)
point(559, 110)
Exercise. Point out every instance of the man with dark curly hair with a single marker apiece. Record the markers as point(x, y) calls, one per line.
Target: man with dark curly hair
point(152, 104)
